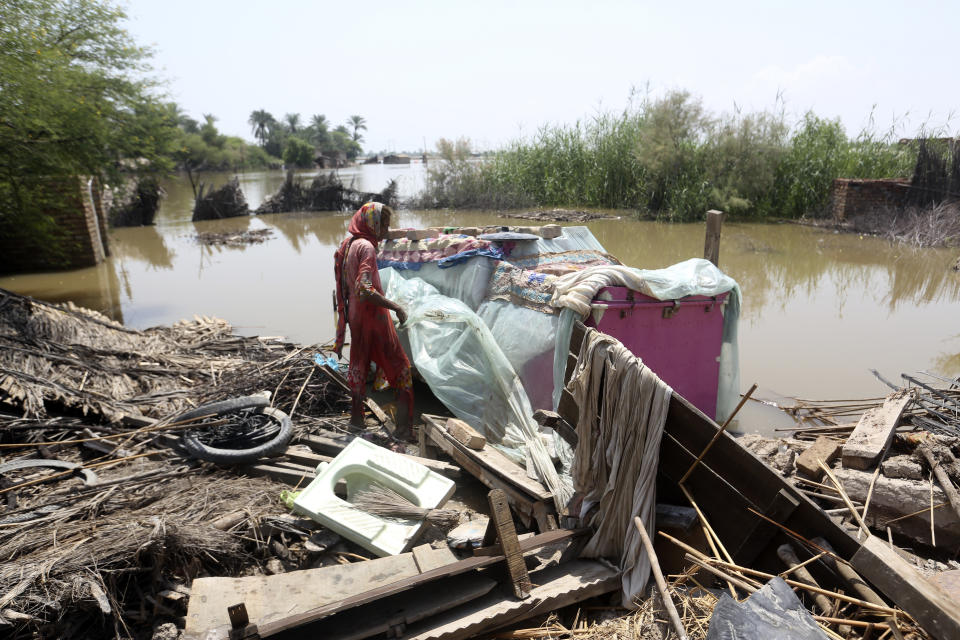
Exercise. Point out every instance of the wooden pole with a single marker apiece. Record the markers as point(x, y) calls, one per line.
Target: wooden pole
point(711, 246)
point(661, 583)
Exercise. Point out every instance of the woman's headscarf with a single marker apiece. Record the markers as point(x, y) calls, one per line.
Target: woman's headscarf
point(365, 224)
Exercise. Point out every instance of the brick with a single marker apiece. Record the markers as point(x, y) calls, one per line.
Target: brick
point(551, 231)
point(825, 449)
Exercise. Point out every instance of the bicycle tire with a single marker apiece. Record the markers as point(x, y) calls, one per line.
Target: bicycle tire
point(277, 444)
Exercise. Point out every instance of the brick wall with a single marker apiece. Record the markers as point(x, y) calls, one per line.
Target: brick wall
point(853, 197)
point(74, 237)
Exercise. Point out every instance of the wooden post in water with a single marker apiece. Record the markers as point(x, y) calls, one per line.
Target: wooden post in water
point(711, 246)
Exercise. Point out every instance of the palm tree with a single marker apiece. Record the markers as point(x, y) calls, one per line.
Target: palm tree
point(260, 121)
point(358, 123)
point(319, 125)
point(293, 121)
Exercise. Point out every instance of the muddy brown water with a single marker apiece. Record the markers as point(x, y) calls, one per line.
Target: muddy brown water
point(819, 308)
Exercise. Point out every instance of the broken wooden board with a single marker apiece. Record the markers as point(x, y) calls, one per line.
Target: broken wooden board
point(396, 613)
point(509, 544)
point(557, 587)
point(823, 449)
point(279, 596)
point(874, 431)
point(936, 612)
point(465, 434)
point(293, 621)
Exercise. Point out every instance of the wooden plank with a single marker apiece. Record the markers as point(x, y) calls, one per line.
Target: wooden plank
point(470, 564)
point(874, 431)
point(779, 510)
point(427, 560)
point(509, 545)
point(465, 434)
point(301, 478)
point(490, 459)
point(333, 446)
point(268, 597)
point(306, 458)
point(556, 587)
point(936, 612)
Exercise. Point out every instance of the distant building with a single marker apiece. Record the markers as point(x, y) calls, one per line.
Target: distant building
point(396, 158)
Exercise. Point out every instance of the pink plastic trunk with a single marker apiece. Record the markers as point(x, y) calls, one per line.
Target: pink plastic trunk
point(679, 339)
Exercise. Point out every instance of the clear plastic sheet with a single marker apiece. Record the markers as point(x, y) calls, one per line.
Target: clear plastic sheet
point(455, 352)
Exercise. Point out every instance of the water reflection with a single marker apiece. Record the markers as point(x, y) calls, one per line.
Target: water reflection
point(819, 308)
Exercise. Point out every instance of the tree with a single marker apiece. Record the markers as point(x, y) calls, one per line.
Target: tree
point(260, 121)
point(340, 140)
point(358, 123)
point(293, 122)
point(74, 100)
point(298, 153)
point(320, 133)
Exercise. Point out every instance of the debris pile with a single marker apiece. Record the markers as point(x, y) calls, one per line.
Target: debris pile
point(225, 202)
point(187, 481)
point(560, 215)
point(234, 238)
point(325, 192)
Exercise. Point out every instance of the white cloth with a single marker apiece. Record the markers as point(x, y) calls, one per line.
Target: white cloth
point(623, 408)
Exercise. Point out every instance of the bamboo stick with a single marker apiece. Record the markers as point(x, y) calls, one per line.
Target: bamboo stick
point(846, 498)
point(740, 584)
point(716, 436)
point(658, 576)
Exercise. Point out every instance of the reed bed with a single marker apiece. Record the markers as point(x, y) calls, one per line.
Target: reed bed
point(670, 158)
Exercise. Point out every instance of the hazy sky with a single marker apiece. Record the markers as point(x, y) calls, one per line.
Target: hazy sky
point(493, 70)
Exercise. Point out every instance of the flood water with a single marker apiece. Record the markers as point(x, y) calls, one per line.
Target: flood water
point(819, 309)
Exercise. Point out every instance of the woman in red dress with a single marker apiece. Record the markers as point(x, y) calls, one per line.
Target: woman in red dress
point(362, 305)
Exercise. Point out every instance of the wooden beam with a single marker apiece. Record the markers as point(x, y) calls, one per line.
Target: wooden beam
point(711, 245)
point(936, 612)
point(875, 431)
point(779, 509)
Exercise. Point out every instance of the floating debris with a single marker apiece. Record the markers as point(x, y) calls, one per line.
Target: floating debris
point(234, 238)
